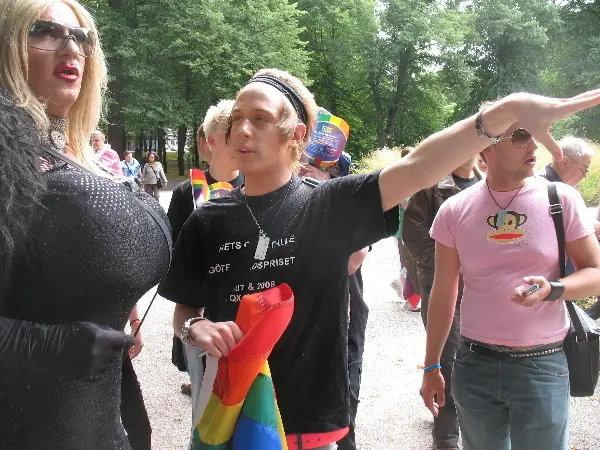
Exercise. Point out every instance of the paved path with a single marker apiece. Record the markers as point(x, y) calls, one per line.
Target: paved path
point(391, 415)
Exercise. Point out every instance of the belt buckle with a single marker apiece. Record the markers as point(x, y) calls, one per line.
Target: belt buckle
point(471, 347)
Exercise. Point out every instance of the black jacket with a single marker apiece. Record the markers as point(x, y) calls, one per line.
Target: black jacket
point(418, 219)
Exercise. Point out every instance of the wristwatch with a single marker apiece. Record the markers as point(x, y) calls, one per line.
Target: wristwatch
point(482, 133)
point(557, 288)
point(185, 329)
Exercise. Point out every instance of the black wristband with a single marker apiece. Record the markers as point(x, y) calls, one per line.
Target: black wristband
point(557, 288)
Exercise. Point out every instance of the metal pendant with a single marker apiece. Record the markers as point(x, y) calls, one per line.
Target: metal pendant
point(262, 247)
point(501, 218)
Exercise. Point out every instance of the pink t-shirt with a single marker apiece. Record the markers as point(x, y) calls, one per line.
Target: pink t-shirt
point(494, 259)
point(110, 159)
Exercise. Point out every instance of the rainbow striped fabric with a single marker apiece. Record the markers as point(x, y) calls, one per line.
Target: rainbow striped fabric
point(202, 191)
point(242, 413)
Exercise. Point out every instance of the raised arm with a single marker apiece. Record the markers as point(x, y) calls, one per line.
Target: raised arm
point(441, 153)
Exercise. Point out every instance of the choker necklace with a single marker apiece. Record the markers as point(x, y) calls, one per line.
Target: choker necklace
point(56, 133)
point(503, 210)
point(263, 239)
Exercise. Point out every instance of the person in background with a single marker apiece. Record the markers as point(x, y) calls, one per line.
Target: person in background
point(405, 285)
point(418, 218)
point(131, 168)
point(105, 154)
point(359, 311)
point(211, 134)
point(575, 164)
point(153, 176)
point(481, 164)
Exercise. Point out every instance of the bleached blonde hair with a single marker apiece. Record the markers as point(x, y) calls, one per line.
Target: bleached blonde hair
point(217, 117)
point(16, 18)
point(289, 119)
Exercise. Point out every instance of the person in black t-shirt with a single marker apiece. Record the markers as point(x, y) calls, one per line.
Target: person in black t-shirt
point(222, 168)
point(278, 229)
point(359, 313)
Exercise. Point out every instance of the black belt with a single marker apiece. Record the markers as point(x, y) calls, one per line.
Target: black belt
point(484, 351)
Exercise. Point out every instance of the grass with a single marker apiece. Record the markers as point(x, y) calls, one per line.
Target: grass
point(589, 187)
point(173, 171)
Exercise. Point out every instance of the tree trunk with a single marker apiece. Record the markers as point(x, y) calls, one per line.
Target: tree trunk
point(181, 140)
point(402, 77)
point(116, 124)
point(373, 80)
point(196, 155)
point(162, 148)
point(139, 147)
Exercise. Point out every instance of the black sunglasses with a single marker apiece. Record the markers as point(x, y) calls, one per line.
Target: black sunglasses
point(519, 138)
point(53, 37)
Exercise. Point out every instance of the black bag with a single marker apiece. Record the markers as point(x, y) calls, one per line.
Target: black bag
point(582, 344)
point(159, 182)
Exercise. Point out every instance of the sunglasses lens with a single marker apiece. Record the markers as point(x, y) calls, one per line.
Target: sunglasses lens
point(520, 138)
point(51, 36)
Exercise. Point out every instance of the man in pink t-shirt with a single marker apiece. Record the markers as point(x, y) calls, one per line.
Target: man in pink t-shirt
point(107, 156)
point(510, 381)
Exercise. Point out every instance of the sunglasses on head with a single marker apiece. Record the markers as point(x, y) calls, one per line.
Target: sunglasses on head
point(519, 138)
point(53, 37)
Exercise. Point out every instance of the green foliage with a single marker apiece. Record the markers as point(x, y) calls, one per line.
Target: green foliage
point(395, 70)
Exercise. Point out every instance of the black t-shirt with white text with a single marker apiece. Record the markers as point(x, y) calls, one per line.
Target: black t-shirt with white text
point(312, 237)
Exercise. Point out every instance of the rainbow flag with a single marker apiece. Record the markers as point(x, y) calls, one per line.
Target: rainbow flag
point(202, 191)
point(242, 413)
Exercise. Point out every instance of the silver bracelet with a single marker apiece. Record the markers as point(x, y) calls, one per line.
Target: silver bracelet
point(185, 330)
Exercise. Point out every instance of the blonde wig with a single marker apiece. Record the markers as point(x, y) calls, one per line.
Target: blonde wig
point(16, 18)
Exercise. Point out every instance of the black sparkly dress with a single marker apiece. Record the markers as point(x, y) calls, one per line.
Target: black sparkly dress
point(92, 252)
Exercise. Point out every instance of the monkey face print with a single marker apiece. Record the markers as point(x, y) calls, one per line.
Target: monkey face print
point(506, 227)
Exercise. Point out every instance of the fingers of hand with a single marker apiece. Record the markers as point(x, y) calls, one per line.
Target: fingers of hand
point(580, 102)
point(238, 334)
point(546, 139)
point(534, 298)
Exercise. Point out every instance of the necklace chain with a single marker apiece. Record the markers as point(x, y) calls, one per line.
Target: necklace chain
point(511, 200)
point(260, 230)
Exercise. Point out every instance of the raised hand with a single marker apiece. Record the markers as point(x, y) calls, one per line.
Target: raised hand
point(536, 114)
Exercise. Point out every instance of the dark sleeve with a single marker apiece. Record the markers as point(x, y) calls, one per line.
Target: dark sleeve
point(73, 349)
point(186, 276)
point(354, 201)
point(415, 233)
point(178, 211)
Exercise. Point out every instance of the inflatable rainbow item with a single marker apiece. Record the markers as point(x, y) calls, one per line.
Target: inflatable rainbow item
point(327, 141)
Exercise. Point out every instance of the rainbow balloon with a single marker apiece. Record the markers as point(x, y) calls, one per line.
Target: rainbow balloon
point(327, 141)
point(202, 191)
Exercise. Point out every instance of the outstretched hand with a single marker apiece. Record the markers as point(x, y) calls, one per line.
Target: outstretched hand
point(536, 114)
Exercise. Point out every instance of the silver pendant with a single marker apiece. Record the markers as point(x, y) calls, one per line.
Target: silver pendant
point(501, 218)
point(262, 247)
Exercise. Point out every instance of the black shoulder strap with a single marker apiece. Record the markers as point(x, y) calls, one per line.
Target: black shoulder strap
point(557, 218)
point(161, 223)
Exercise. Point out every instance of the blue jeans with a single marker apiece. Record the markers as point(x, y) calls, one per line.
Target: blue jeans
point(516, 404)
